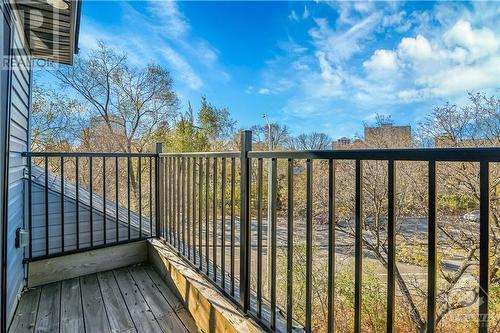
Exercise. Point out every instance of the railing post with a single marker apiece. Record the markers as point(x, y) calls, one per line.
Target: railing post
point(158, 184)
point(246, 146)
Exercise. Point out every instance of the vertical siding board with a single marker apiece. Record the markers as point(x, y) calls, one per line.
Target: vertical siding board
point(19, 138)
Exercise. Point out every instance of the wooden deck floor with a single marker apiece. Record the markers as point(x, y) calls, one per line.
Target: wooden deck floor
point(130, 299)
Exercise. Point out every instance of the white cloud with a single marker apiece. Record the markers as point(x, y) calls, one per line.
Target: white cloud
point(293, 16)
point(415, 49)
point(342, 45)
point(164, 36)
point(458, 79)
point(175, 25)
point(479, 43)
point(264, 91)
point(381, 62)
point(182, 67)
point(423, 56)
point(306, 13)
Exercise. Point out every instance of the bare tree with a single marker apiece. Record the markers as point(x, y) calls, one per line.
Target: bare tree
point(279, 134)
point(55, 123)
point(472, 125)
point(128, 104)
point(311, 141)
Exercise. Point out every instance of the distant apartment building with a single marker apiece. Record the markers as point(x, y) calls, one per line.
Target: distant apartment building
point(388, 135)
point(346, 143)
point(384, 135)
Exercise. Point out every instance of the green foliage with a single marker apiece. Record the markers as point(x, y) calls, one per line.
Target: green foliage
point(374, 291)
point(455, 202)
point(412, 253)
point(216, 123)
point(208, 131)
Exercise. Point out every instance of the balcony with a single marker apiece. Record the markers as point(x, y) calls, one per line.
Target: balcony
point(128, 299)
point(194, 224)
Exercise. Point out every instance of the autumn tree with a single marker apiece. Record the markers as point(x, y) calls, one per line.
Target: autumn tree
point(56, 120)
point(310, 141)
point(126, 103)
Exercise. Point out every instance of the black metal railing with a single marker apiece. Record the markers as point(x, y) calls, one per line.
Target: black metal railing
point(209, 207)
point(83, 201)
point(207, 218)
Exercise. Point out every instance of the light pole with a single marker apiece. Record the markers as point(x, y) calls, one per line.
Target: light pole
point(269, 196)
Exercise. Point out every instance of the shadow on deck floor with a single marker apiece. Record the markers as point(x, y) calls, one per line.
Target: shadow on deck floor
point(130, 299)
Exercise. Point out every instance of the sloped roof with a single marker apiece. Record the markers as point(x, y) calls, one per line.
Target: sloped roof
point(54, 184)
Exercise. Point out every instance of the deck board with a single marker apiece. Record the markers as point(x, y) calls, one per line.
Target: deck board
point(118, 315)
point(126, 300)
point(140, 312)
point(94, 313)
point(25, 317)
point(163, 312)
point(71, 307)
point(48, 309)
point(174, 302)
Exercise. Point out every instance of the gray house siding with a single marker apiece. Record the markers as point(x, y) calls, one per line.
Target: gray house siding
point(18, 143)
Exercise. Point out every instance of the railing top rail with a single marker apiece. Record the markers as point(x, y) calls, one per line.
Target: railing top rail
point(491, 154)
point(85, 154)
point(407, 154)
point(221, 154)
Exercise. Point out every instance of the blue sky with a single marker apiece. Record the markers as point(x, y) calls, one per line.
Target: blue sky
point(314, 66)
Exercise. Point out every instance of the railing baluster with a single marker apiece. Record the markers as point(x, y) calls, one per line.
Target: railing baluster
point(170, 202)
point(309, 221)
point(158, 184)
point(223, 226)
point(178, 196)
point(194, 210)
point(104, 215)
point(245, 166)
point(274, 222)
point(232, 236)
point(207, 207)
point(62, 204)
point(77, 201)
point(484, 245)
point(200, 209)
point(128, 196)
point(117, 181)
point(30, 209)
point(214, 227)
point(150, 196)
point(164, 198)
point(91, 204)
point(358, 248)
point(139, 175)
point(289, 281)
point(183, 204)
point(331, 246)
point(391, 244)
point(188, 207)
point(46, 205)
point(174, 201)
point(259, 237)
point(432, 252)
